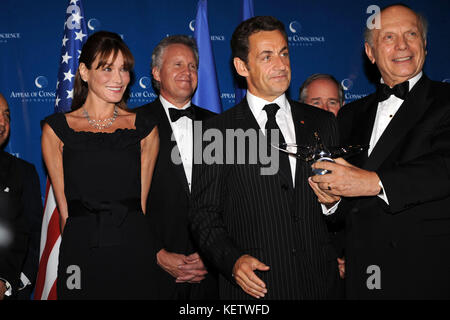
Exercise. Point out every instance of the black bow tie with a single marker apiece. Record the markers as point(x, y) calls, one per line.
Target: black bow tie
point(176, 114)
point(400, 91)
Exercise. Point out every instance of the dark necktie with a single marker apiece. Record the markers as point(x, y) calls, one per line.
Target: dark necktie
point(271, 110)
point(176, 114)
point(400, 91)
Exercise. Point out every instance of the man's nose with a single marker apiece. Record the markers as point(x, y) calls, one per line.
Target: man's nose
point(280, 62)
point(402, 43)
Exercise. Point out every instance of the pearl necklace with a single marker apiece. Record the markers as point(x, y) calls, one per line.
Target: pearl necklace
point(101, 124)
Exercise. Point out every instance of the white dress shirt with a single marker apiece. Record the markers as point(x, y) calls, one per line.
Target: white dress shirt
point(183, 134)
point(385, 113)
point(283, 118)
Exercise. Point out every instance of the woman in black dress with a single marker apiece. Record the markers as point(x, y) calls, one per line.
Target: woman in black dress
point(100, 158)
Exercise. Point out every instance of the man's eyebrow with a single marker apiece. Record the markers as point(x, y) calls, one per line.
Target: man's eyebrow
point(265, 52)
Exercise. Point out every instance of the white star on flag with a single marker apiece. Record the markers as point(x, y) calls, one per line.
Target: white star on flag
point(76, 17)
point(66, 58)
point(68, 75)
point(57, 100)
point(65, 40)
point(79, 53)
point(79, 35)
point(69, 94)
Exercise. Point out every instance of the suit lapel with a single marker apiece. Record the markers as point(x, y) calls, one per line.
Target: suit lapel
point(244, 116)
point(406, 117)
point(302, 128)
point(363, 130)
point(168, 144)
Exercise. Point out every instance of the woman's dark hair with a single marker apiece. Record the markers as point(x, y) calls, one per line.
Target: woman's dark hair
point(101, 44)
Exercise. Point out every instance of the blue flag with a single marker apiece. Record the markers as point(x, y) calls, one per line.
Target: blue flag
point(207, 94)
point(246, 13)
point(75, 35)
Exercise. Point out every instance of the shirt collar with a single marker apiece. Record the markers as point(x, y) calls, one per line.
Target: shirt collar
point(257, 104)
point(412, 81)
point(167, 105)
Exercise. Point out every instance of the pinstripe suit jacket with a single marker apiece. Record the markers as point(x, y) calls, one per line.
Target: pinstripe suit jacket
point(235, 210)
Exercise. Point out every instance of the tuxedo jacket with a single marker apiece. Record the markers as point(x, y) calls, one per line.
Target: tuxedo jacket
point(21, 211)
point(409, 239)
point(168, 205)
point(236, 210)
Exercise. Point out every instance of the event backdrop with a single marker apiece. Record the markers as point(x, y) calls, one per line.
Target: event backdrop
point(324, 36)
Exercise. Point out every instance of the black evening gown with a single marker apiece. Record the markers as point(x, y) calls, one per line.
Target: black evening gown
point(106, 246)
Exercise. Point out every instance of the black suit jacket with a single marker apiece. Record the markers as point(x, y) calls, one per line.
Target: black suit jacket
point(409, 239)
point(21, 209)
point(236, 210)
point(168, 205)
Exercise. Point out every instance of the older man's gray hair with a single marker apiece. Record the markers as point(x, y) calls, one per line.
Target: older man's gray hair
point(159, 50)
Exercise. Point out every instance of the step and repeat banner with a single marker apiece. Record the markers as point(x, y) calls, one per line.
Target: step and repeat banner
point(325, 36)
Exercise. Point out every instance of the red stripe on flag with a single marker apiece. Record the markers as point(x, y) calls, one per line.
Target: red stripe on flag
point(52, 236)
point(52, 293)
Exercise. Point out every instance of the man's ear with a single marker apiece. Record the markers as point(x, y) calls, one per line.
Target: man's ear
point(369, 52)
point(241, 67)
point(155, 73)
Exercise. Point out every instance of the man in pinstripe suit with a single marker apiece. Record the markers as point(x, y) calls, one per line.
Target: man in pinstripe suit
point(266, 234)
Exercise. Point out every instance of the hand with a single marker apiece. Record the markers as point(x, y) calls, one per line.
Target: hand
point(341, 267)
point(247, 279)
point(346, 180)
point(329, 200)
point(195, 269)
point(2, 290)
point(170, 262)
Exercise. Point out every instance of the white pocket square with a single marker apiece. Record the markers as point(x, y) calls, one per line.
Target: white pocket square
point(6, 189)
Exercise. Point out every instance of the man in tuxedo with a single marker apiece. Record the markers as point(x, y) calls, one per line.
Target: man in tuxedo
point(183, 274)
point(264, 231)
point(323, 91)
point(20, 216)
point(396, 196)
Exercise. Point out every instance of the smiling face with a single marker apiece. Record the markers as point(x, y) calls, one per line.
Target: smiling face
point(4, 120)
point(107, 83)
point(324, 94)
point(398, 47)
point(177, 75)
point(268, 71)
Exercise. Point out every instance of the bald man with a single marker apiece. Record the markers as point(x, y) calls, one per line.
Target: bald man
point(396, 197)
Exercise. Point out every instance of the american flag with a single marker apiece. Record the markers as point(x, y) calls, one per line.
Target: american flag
point(75, 34)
